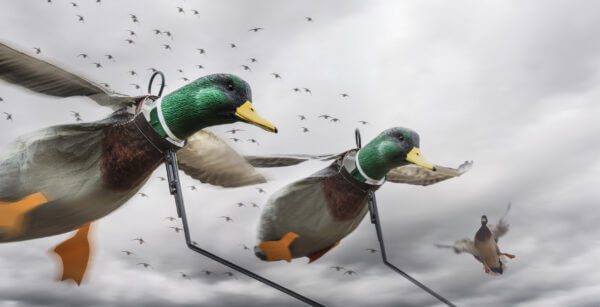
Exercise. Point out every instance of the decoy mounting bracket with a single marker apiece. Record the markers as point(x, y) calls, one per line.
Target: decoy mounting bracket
point(175, 190)
point(374, 214)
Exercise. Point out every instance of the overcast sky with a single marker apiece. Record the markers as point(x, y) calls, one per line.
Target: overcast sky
point(511, 85)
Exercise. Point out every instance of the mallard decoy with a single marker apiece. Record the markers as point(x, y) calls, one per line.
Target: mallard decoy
point(101, 165)
point(484, 246)
point(309, 217)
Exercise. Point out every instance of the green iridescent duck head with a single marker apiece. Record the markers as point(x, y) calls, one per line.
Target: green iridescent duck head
point(392, 148)
point(208, 101)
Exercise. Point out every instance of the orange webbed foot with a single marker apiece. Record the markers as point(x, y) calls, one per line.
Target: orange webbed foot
point(75, 254)
point(276, 250)
point(12, 214)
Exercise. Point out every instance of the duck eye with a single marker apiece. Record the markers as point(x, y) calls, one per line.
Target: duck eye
point(401, 138)
point(230, 86)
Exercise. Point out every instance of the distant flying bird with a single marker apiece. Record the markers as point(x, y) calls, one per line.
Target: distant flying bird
point(146, 265)
point(193, 188)
point(177, 229)
point(372, 250)
point(235, 139)
point(195, 12)
point(200, 66)
point(83, 55)
point(137, 86)
point(304, 129)
point(168, 33)
point(302, 117)
point(227, 219)
point(230, 274)
point(142, 194)
point(170, 218)
point(162, 178)
point(253, 141)
point(128, 253)
point(184, 79)
point(276, 75)
point(183, 275)
point(110, 57)
point(74, 4)
point(80, 18)
point(8, 116)
point(232, 45)
point(1, 99)
point(180, 70)
point(234, 131)
point(309, 19)
point(350, 272)
point(241, 205)
point(335, 120)
point(131, 33)
point(167, 46)
point(484, 246)
point(37, 50)
point(261, 191)
point(338, 268)
point(98, 65)
point(202, 51)
point(153, 69)
point(180, 10)
point(77, 116)
point(105, 84)
point(132, 72)
point(140, 240)
point(325, 116)
point(206, 272)
point(130, 41)
point(156, 31)
point(344, 95)
point(246, 67)
point(363, 122)
point(255, 30)
point(306, 90)
point(134, 18)
point(255, 205)
point(295, 89)
point(245, 247)
point(253, 60)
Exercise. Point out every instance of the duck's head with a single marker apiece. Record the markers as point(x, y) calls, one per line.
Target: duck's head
point(211, 100)
point(392, 148)
point(484, 220)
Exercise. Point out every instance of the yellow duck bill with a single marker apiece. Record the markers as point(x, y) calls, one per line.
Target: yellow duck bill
point(247, 114)
point(414, 156)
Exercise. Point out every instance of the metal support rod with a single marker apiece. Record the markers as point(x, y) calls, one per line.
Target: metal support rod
point(175, 190)
point(375, 220)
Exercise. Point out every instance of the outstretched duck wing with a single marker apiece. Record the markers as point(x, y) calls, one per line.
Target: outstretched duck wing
point(42, 77)
point(209, 159)
point(414, 174)
point(500, 229)
point(286, 160)
point(461, 246)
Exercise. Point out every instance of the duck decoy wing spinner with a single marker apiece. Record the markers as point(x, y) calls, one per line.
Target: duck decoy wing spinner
point(417, 175)
point(209, 159)
point(44, 78)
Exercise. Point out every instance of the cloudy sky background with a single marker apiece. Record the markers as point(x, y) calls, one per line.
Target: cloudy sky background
point(510, 85)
